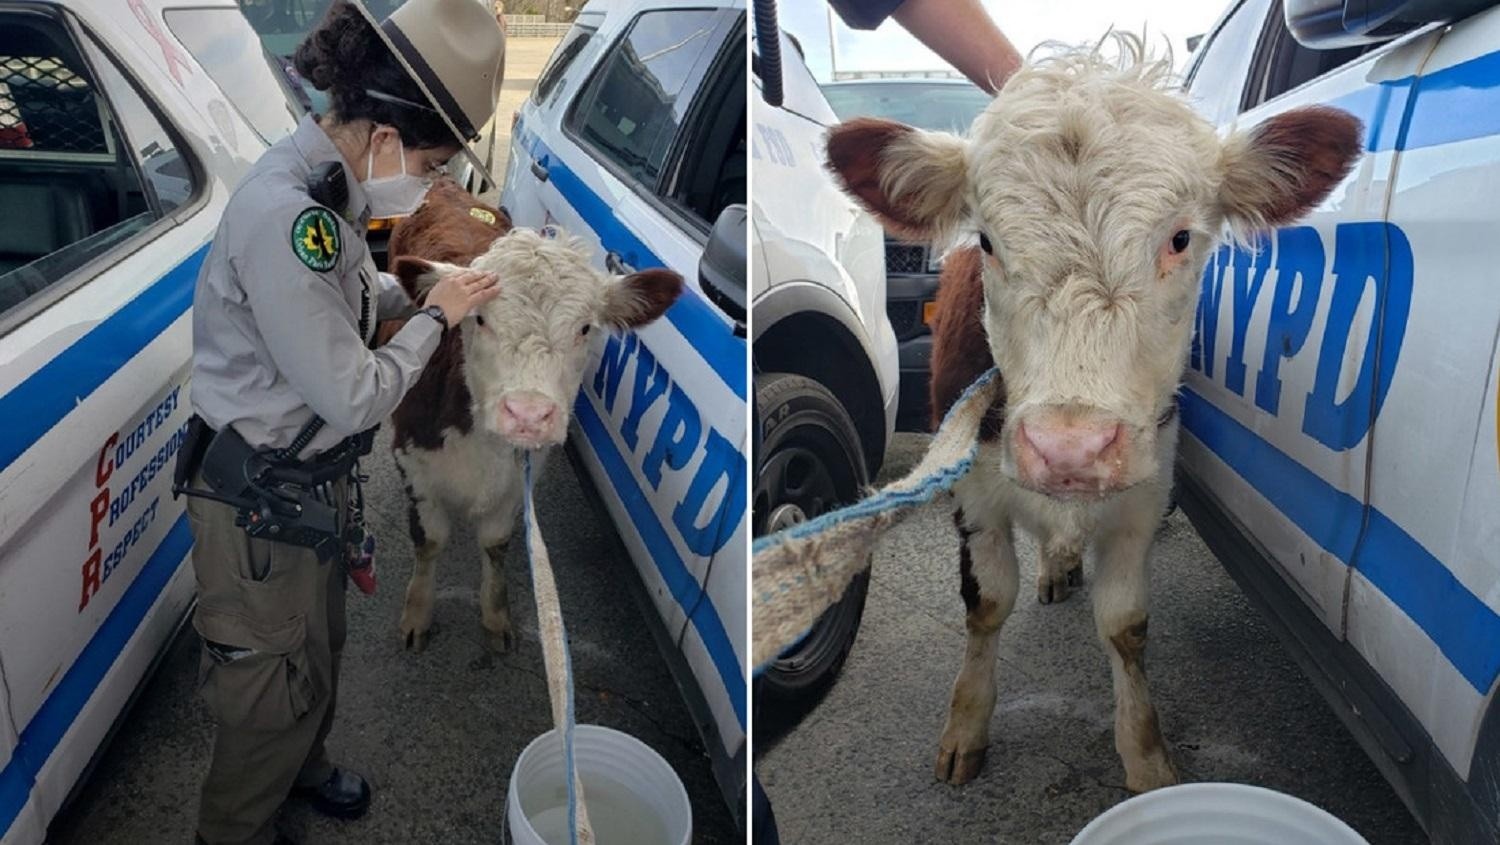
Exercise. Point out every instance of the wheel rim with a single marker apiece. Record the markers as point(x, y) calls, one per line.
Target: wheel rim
point(795, 485)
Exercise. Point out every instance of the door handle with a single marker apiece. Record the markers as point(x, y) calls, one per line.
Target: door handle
point(538, 170)
point(614, 264)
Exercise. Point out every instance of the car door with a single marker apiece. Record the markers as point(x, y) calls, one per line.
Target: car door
point(1286, 370)
point(662, 409)
point(538, 121)
point(95, 284)
point(1426, 588)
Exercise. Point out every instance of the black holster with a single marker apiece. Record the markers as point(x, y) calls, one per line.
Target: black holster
point(276, 497)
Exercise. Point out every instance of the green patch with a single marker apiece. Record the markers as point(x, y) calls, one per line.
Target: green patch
point(315, 239)
point(483, 214)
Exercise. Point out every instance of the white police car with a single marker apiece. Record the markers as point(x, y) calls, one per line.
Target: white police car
point(123, 128)
point(826, 361)
point(634, 138)
point(1341, 406)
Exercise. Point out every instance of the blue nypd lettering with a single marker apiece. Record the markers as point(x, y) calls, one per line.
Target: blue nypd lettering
point(1368, 257)
point(680, 440)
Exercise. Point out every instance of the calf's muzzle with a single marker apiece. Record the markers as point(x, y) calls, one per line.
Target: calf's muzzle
point(530, 419)
point(1067, 450)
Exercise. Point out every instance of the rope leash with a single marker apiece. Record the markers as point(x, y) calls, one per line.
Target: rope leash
point(800, 572)
point(556, 658)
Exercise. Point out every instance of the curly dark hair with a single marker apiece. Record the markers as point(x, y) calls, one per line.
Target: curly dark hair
point(344, 56)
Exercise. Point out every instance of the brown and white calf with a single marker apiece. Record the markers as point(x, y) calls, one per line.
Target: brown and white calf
point(499, 385)
point(1096, 195)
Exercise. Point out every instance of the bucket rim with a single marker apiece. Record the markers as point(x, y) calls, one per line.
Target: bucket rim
point(583, 732)
point(1286, 801)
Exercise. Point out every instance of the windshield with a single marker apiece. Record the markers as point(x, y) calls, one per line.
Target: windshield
point(282, 24)
point(937, 106)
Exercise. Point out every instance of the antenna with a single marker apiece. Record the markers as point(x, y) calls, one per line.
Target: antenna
point(833, 46)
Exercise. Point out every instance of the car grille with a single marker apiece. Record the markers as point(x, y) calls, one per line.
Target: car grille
point(905, 258)
point(906, 318)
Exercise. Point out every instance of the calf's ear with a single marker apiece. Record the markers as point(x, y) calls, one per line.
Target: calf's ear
point(1285, 167)
point(640, 298)
point(913, 181)
point(418, 275)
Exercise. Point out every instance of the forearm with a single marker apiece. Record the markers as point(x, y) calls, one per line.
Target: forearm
point(965, 35)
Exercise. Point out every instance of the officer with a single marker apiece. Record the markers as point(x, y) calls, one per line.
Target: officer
point(284, 312)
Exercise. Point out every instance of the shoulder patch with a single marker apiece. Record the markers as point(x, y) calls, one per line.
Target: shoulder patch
point(483, 214)
point(315, 239)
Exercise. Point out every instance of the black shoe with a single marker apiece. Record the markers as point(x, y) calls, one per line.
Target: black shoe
point(344, 795)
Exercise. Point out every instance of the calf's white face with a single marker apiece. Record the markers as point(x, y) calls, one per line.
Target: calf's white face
point(524, 351)
point(1097, 197)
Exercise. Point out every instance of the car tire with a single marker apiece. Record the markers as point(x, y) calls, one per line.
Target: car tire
point(810, 461)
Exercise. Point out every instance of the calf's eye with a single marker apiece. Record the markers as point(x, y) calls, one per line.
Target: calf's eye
point(479, 318)
point(583, 332)
point(1180, 241)
point(984, 244)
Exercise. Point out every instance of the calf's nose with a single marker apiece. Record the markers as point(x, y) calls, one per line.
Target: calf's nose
point(1064, 455)
point(527, 414)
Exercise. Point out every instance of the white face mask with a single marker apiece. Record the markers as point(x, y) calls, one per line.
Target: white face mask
point(394, 196)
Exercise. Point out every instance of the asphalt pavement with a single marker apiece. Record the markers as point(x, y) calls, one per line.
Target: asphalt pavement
point(1233, 707)
point(438, 732)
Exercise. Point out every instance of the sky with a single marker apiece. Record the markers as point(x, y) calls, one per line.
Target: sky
point(1025, 22)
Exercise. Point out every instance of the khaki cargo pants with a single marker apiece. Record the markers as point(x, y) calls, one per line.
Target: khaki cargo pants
point(278, 615)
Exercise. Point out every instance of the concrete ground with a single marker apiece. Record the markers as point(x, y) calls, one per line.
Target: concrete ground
point(1233, 706)
point(436, 733)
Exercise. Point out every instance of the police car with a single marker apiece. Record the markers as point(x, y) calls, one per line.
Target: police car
point(634, 138)
point(123, 128)
point(938, 104)
point(1341, 403)
point(826, 361)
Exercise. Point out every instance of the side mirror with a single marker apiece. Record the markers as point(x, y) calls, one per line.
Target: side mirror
point(1330, 24)
point(721, 270)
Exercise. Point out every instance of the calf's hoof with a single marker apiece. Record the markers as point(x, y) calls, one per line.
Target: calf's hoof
point(1052, 588)
point(957, 766)
point(1150, 773)
point(499, 642)
point(414, 638)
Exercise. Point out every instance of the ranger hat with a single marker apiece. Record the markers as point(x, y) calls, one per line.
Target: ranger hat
point(455, 52)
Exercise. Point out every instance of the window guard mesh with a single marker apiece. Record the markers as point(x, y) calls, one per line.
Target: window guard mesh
point(46, 107)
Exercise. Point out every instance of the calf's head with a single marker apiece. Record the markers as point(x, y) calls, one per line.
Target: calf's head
point(1096, 197)
point(524, 350)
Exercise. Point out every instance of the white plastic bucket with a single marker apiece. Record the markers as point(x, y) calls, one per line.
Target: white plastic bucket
point(1220, 813)
point(634, 797)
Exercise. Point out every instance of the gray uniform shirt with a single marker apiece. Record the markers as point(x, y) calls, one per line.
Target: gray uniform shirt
point(276, 339)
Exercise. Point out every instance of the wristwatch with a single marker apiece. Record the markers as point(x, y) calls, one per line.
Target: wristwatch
point(436, 313)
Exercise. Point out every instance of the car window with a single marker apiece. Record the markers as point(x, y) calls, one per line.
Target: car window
point(1217, 80)
point(228, 49)
point(573, 43)
point(82, 155)
point(1282, 64)
point(632, 106)
point(282, 24)
point(935, 106)
point(711, 173)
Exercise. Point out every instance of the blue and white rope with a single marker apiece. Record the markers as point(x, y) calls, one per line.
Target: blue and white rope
point(558, 661)
point(799, 572)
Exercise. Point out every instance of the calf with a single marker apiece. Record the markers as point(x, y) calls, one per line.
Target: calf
point(1096, 196)
point(498, 385)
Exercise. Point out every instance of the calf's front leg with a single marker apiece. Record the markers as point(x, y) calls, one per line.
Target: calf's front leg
point(989, 580)
point(1120, 592)
point(495, 530)
point(428, 523)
